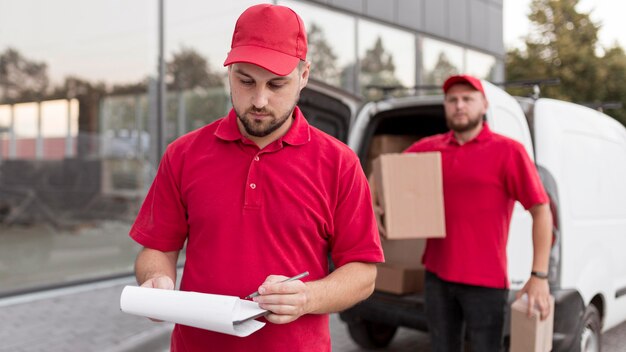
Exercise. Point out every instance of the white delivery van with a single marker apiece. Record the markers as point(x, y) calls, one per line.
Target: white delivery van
point(581, 157)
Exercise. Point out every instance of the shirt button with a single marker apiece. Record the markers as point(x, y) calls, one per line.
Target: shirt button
point(253, 185)
point(256, 158)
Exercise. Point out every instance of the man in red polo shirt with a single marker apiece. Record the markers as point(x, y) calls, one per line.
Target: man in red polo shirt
point(259, 196)
point(484, 173)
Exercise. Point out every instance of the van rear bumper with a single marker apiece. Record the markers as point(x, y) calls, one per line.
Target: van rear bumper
point(408, 311)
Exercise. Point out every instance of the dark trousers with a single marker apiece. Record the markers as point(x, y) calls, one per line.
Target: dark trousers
point(455, 311)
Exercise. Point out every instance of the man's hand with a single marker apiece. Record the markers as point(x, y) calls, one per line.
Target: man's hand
point(287, 301)
point(538, 293)
point(163, 282)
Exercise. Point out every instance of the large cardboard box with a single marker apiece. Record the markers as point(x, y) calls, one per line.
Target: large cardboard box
point(530, 334)
point(403, 271)
point(388, 143)
point(407, 252)
point(409, 190)
point(399, 279)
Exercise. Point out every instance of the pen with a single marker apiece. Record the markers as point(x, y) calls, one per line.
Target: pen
point(297, 277)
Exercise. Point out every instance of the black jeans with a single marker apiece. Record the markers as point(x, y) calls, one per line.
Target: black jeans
point(452, 309)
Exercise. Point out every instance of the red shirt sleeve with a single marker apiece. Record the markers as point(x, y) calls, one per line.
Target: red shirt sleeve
point(522, 181)
point(161, 223)
point(355, 236)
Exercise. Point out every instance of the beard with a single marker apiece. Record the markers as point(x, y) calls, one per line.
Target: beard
point(461, 127)
point(266, 126)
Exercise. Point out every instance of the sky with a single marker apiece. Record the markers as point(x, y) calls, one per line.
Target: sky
point(609, 13)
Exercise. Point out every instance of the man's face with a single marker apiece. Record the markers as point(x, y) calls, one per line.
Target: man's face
point(262, 100)
point(465, 107)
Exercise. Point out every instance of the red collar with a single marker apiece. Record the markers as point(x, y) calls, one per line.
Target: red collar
point(484, 135)
point(298, 133)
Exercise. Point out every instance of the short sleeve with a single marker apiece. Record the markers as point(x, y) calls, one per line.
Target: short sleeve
point(355, 237)
point(161, 223)
point(522, 179)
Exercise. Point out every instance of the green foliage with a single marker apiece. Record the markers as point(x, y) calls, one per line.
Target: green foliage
point(564, 45)
point(21, 79)
point(188, 69)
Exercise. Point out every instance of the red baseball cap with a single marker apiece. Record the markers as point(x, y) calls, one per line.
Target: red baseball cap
point(466, 79)
point(270, 36)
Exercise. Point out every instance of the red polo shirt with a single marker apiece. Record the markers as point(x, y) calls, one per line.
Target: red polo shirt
point(482, 179)
point(248, 213)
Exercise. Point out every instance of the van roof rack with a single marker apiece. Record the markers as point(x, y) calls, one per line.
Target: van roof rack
point(601, 106)
point(387, 90)
point(535, 84)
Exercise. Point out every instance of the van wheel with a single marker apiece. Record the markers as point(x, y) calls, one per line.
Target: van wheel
point(590, 333)
point(368, 334)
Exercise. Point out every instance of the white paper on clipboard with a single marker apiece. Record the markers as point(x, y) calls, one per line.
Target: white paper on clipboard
point(225, 314)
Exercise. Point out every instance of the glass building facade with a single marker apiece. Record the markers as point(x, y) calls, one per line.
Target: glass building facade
point(79, 91)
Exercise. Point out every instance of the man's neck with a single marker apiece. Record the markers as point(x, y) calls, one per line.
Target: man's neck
point(466, 136)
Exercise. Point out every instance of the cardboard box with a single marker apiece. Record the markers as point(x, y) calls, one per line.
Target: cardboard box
point(388, 143)
point(398, 279)
point(530, 334)
point(404, 252)
point(409, 189)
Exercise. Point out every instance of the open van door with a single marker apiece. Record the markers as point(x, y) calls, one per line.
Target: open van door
point(506, 117)
point(329, 108)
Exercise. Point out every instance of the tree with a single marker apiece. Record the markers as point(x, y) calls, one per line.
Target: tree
point(323, 59)
point(188, 69)
point(200, 96)
point(442, 70)
point(377, 69)
point(614, 78)
point(21, 79)
point(564, 45)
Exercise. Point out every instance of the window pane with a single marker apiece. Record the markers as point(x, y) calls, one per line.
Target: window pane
point(387, 58)
point(331, 39)
point(440, 60)
point(89, 182)
point(71, 56)
point(480, 65)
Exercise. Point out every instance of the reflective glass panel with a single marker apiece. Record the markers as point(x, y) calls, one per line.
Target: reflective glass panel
point(80, 151)
point(439, 61)
point(480, 65)
point(387, 58)
point(331, 39)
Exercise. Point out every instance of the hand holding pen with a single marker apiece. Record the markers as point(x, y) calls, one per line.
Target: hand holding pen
point(297, 277)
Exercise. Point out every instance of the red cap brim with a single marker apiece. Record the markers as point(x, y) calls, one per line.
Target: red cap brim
point(274, 61)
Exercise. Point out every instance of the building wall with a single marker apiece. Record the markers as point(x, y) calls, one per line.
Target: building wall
point(476, 24)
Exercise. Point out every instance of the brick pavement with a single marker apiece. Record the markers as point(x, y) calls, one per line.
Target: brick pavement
point(85, 318)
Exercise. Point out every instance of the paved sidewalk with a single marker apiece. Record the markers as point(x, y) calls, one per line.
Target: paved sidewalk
point(83, 318)
point(87, 318)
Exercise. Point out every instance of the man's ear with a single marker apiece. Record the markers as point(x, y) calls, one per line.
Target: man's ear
point(304, 74)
